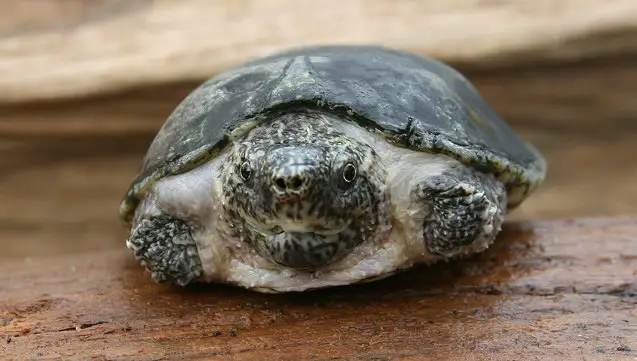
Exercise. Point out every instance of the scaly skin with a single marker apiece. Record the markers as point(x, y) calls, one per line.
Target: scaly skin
point(166, 248)
point(467, 211)
point(302, 193)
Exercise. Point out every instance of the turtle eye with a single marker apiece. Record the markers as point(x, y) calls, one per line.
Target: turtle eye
point(349, 173)
point(245, 171)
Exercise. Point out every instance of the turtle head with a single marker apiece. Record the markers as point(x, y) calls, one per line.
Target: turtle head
point(303, 193)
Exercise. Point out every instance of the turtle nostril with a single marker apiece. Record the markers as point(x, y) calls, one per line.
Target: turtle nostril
point(280, 184)
point(296, 183)
point(292, 184)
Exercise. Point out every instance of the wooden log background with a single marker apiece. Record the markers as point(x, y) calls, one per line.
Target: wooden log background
point(85, 84)
point(51, 49)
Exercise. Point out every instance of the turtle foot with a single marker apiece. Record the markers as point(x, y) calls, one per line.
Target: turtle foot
point(466, 210)
point(165, 246)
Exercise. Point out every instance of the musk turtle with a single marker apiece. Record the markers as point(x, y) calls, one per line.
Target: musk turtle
point(322, 166)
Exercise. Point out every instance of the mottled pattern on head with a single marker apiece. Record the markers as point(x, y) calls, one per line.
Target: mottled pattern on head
point(302, 193)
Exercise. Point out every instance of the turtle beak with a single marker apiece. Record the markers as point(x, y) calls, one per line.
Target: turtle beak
point(290, 198)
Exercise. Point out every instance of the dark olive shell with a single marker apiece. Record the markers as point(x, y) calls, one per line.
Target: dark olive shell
point(416, 102)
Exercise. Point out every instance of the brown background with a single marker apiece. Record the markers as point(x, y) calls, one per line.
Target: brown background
point(84, 86)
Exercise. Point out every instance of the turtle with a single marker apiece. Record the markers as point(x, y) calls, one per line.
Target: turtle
point(325, 165)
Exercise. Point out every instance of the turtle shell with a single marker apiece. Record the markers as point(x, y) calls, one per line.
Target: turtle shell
point(415, 102)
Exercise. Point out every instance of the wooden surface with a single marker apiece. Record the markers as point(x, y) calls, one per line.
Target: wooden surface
point(559, 290)
point(51, 49)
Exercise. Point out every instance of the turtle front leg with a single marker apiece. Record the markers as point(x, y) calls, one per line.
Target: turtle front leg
point(465, 211)
point(165, 246)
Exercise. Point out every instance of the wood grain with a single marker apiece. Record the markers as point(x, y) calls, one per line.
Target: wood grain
point(562, 290)
point(51, 49)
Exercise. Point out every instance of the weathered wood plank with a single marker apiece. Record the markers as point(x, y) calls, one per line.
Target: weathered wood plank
point(562, 290)
point(51, 49)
